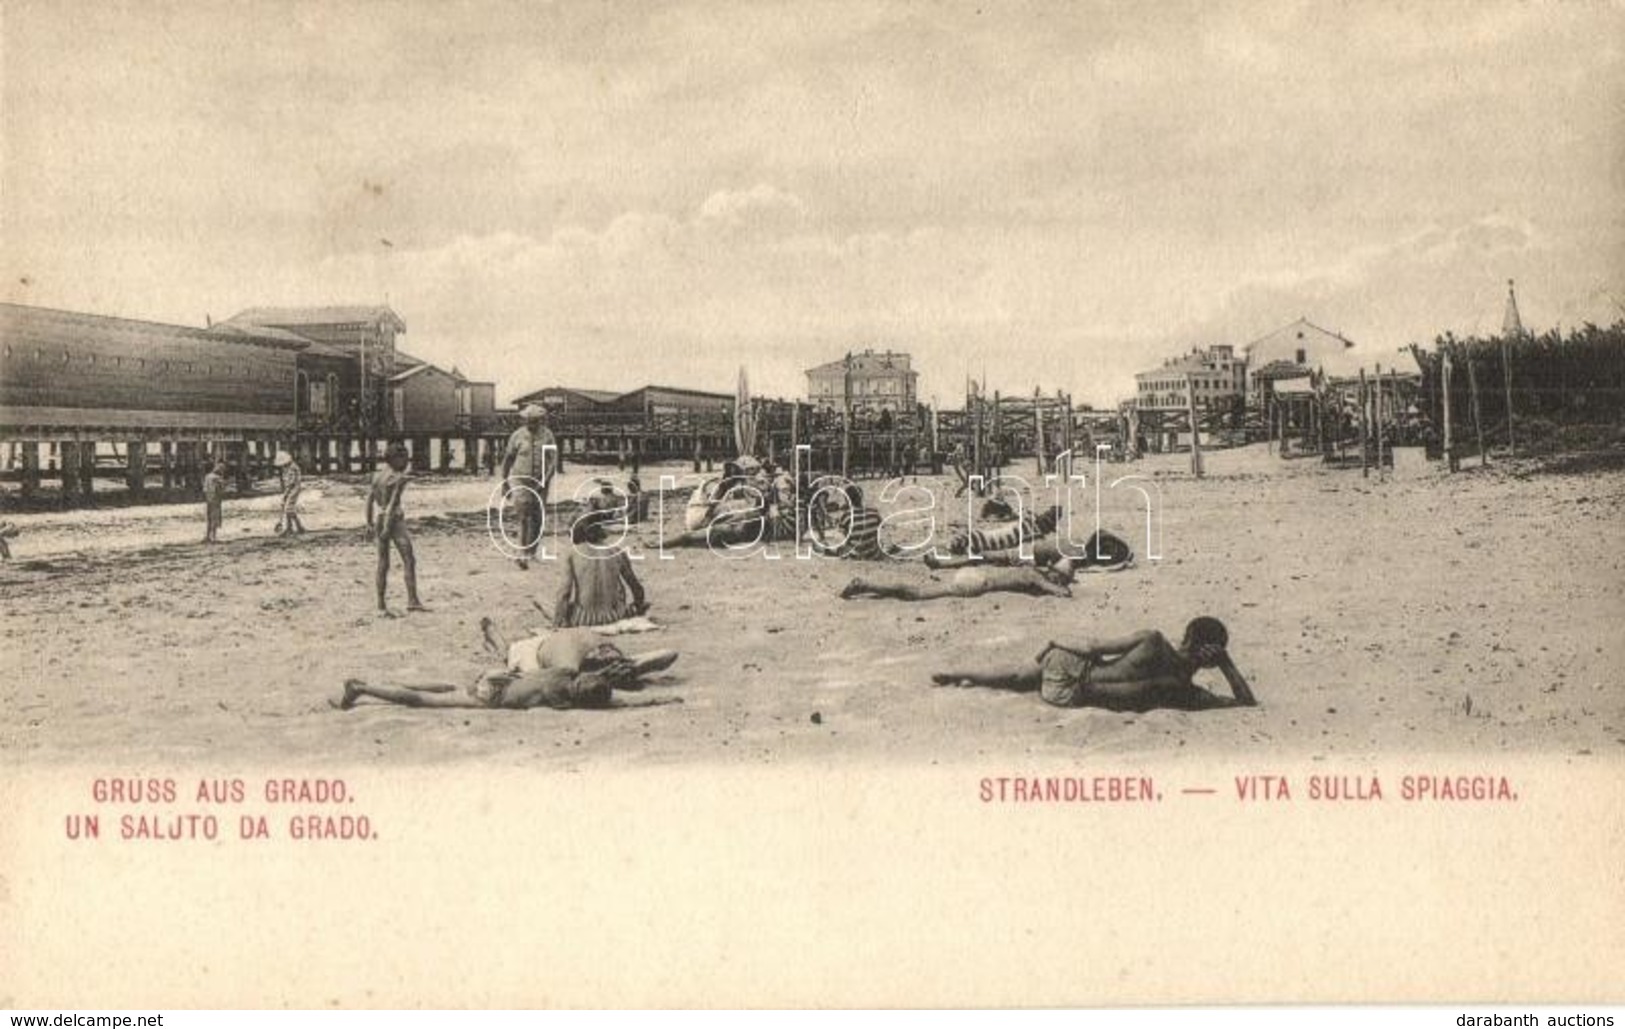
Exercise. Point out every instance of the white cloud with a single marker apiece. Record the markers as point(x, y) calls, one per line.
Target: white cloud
point(762, 207)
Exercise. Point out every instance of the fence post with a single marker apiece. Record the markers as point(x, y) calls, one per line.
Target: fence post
point(1196, 442)
point(1449, 448)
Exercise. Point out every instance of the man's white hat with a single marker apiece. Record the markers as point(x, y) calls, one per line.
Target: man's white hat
point(283, 459)
point(533, 411)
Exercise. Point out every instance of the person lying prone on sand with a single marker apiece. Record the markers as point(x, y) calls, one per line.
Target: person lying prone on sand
point(1101, 552)
point(973, 581)
point(573, 668)
point(1137, 672)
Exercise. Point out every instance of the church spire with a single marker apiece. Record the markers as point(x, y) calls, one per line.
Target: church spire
point(1511, 325)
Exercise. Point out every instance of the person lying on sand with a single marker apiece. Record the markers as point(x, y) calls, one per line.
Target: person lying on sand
point(972, 581)
point(573, 668)
point(1102, 552)
point(1137, 672)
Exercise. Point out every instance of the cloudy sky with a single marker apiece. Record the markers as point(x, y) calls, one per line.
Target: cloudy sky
point(604, 194)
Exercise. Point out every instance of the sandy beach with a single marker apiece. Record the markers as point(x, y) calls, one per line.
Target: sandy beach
point(1413, 615)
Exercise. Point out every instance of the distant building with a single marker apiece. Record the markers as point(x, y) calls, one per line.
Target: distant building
point(1216, 374)
point(1304, 345)
point(562, 399)
point(365, 335)
point(673, 400)
point(880, 381)
point(567, 400)
point(427, 399)
point(67, 372)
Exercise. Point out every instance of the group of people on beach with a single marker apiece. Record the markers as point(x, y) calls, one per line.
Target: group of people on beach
point(214, 498)
point(575, 665)
point(572, 665)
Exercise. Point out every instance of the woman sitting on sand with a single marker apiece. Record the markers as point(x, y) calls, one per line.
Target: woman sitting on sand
point(599, 585)
point(574, 668)
point(1134, 673)
point(974, 581)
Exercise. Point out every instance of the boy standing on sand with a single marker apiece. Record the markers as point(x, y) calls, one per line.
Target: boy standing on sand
point(214, 499)
point(292, 479)
point(386, 524)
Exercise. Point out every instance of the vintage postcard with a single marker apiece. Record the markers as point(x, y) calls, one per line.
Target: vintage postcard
point(811, 504)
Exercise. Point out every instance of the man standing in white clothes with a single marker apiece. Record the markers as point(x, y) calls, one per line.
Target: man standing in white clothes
point(531, 461)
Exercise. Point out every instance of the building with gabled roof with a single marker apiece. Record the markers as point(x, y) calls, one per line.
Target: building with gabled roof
point(1302, 343)
point(364, 334)
point(426, 399)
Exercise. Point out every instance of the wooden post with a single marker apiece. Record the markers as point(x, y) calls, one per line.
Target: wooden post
point(1038, 430)
point(1196, 434)
point(976, 429)
point(1365, 428)
point(996, 436)
point(1067, 431)
point(135, 466)
point(67, 470)
point(1449, 449)
point(31, 481)
point(1393, 402)
point(1506, 370)
point(1472, 403)
point(846, 417)
point(1338, 428)
point(445, 453)
point(183, 465)
point(1376, 415)
point(240, 451)
point(1269, 418)
point(87, 470)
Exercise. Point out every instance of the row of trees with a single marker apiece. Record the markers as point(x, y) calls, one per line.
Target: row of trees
point(1557, 378)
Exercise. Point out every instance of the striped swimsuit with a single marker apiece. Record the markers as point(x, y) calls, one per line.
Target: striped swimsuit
point(1007, 537)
